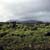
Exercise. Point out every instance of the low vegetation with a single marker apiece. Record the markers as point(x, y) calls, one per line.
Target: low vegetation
point(20, 36)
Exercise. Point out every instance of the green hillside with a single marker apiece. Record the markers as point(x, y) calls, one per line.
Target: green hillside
point(24, 36)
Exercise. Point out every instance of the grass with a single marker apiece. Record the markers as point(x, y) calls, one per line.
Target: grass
point(24, 36)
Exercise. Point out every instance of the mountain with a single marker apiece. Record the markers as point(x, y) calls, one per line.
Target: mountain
point(30, 21)
point(24, 21)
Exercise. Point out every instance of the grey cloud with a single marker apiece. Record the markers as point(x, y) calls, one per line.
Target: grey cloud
point(29, 9)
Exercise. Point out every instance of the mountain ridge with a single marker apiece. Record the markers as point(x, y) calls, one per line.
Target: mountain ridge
point(25, 21)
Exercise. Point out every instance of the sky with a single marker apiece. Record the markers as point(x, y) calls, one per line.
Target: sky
point(25, 9)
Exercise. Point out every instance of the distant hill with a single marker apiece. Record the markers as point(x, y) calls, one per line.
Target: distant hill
point(25, 21)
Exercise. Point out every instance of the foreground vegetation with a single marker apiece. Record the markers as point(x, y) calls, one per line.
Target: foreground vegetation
point(24, 36)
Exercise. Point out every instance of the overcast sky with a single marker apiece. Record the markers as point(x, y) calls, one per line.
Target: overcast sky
point(25, 9)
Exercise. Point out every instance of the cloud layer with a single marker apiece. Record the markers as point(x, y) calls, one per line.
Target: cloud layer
point(25, 9)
